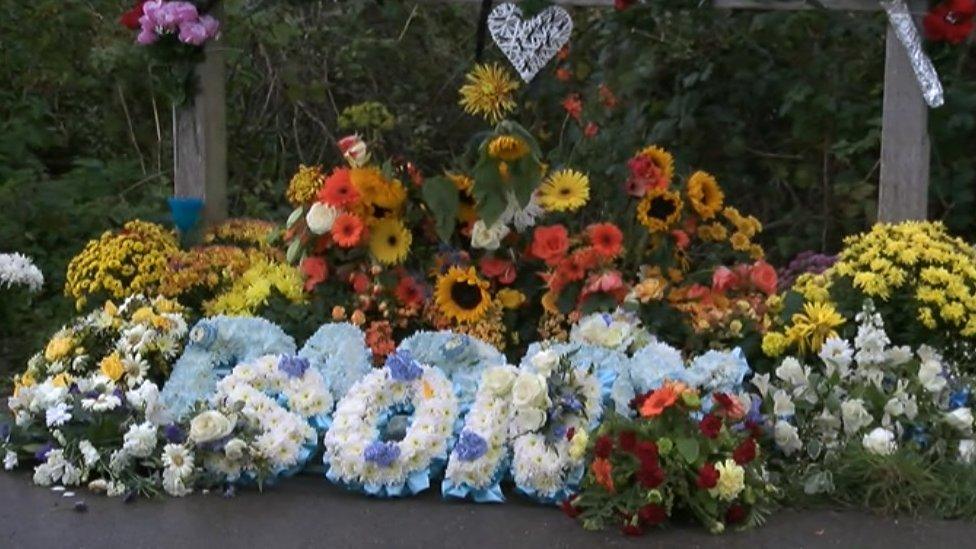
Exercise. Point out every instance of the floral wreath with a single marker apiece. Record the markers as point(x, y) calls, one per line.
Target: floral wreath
point(356, 456)
point(217, 345)
point(462, 358)
point(339, 353)
point(555, 405)
point(275, 402)
point(606, 364)
point(480, 457)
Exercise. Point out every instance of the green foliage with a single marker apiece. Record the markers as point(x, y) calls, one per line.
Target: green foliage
point(441, 197)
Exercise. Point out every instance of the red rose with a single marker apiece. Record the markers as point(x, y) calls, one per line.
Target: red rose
point(707, 476)
point(763, 276)
point(745, 452)
point(710, 426)
point(650, 475)
point(628, 441)
point(723, 279)
point(631, 529)
point(735, 514)
point(652, 514)
point(603, 447)
point(496, 267)
point(550, 243)
point(316, 271)
point(130, 19)
point(568, 508)
point(646, 452)
point(951, 21)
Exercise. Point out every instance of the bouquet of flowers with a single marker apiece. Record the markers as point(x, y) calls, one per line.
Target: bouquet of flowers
point(675, 458)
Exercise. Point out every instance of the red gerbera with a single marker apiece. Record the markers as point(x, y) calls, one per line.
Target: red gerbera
point(130, 19)
point(409, 292)
point(745, 452)
point(707, 476)
point(606, 238)
point(347, 230)
point(951, 21)
point(338, 189)
point(316, 271)
point(710, 426)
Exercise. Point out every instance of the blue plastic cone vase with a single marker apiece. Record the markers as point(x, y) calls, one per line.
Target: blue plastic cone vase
point(185, 212)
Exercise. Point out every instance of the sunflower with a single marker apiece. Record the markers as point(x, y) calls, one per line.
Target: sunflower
point(564, 190)
point(465, 185)
point(488, 92)
point(305, 185)
point(662, 160)
point(659, 209)
point(704, 194)
point(390, 240)
point(507, 148)
point(462, 295)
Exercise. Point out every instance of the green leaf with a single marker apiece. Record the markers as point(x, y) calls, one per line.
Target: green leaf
point(526, 174)
point(688, 448)
point(441, 197)
point(489, 191)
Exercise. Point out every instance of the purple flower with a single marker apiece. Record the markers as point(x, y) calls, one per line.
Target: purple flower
point(211, 24)
point(42, 452)
point(572, 403)
point(171, 15)
point(470, 446)
point(174, 434)
point(382, 453)
point(294, 366)
point(403, 367)
point(193, 33)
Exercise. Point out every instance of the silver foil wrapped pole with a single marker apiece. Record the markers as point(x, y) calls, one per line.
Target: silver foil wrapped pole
point(904, 26)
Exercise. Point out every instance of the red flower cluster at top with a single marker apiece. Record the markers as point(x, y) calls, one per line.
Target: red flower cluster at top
point(589, 264)
point(951, 21)
point(649, 475)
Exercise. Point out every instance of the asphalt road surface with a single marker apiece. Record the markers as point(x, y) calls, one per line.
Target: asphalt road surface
point(309, 512)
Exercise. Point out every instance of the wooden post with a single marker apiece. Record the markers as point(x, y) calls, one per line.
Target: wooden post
point(903, 192)
point(200, 139)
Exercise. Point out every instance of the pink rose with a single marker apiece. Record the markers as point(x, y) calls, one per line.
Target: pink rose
point(763, 276)
point(724, 279)
point(193, 33)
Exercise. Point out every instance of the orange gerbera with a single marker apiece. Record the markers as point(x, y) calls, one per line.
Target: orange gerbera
point(603, 472)
point(347, 230)
point(660, 400)
point(606, 238)
point(338, 190)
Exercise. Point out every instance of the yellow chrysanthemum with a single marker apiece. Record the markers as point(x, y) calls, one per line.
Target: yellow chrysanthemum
point(462, 295)
point(489, 92)
point(663, 160)
point(252, 290)
point(564, 191)
point(813, 326)
point(740, 242)
point(507, 148)
point(304, 185)
point(111, 367)
point(774, 344)
point(376, 190)
point(390, 241)
point(59, 347)
point(659, 210)
point(704, 194)
point(511, 299)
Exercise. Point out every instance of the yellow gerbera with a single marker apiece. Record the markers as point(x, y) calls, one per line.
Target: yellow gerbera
point(507, 148)
point(814, 325)
point(488, 92)
point(390, 241)
point(565, 190)
point(704, 194)
point(377, 190)
point(462, 295)
point(305, 184)
point(659, 209)
point(662, 159)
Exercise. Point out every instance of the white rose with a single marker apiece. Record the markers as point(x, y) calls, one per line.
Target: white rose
point(488, 238)
point(792, 372)
point(855, 416)
point(967, 450)
point(783, 404)
point(210, 425)
point(930, 375)
point(529, 391)
point(545, 361)
point(321, 217)
point(961, 419)
point(894, 407)
point(527, 420)
point(234, 449)
point(787, 438)
point(880, 441)
point(499, 380)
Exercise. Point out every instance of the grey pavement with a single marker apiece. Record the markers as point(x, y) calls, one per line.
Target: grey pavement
point(309, 512)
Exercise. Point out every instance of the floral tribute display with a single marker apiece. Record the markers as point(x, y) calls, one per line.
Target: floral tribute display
point(610, 338)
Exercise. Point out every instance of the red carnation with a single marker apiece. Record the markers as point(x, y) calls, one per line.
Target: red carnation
point(568, 507)
point(745, 452)
point(603, 447)
point(710, 425)
point(707, 476)
point(646, 452)
point(735, 514)
point(951, 21)
point(652, 514)
point(628, 441)
point(650, 475)
point(130, 19)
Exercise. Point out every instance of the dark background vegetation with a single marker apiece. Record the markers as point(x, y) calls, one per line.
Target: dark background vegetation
point(784, 108)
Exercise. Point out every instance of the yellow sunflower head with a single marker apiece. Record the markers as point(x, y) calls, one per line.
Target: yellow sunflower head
point(704, 194)
point(488, 92)
point(507, 148)
point(565, 190)
point(659, 210)
point(390, 241)
point(662, 159)
point(305, 185)
point(467, 211)
point(462, 295)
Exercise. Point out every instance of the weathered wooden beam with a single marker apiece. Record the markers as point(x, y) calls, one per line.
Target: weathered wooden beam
point(200, 139)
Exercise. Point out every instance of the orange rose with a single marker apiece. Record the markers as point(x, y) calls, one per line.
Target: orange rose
point(763, 276)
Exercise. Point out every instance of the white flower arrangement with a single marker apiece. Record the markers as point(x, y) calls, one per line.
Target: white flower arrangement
point(555, 406)
point(354, 453)
point(479, 457)
point(19, 270)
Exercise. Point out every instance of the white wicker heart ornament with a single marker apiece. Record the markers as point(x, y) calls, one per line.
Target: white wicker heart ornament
point(529, 45)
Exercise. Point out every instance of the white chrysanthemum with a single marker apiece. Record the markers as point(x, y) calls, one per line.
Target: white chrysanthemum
point(19, 270)
point(140, 440)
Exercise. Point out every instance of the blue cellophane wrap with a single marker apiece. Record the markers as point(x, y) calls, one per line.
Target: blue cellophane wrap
point(462, 358)
point(492, 493)
point(340, 353)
